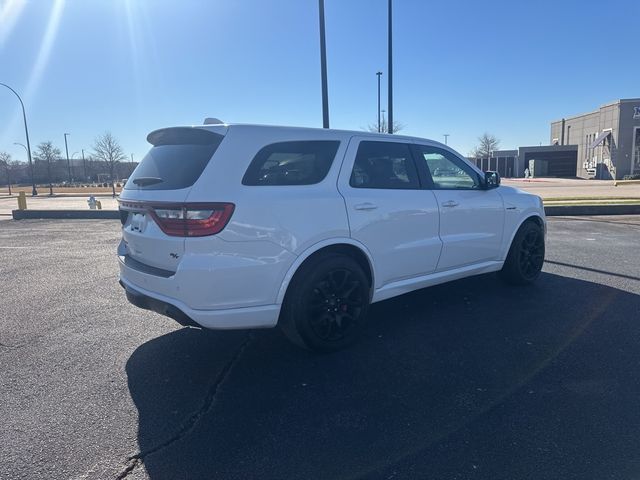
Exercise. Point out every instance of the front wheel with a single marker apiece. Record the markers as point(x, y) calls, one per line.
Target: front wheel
point(526, 255)
point(326, 305)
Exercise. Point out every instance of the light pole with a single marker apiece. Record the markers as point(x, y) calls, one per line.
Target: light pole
point(323, 68)
point(73, 155)
point(378, 75)
point(390, 73)
point(84, 165)
point(34, 191)
point(66, 148)
point(446, 135)
point(48, 168)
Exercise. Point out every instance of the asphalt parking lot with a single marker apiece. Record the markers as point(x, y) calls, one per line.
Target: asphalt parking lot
point(467, 380)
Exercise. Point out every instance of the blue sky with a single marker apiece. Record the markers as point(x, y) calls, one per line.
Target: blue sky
point(461, 67)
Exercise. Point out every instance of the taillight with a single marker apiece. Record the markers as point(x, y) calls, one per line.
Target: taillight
point(192, 219)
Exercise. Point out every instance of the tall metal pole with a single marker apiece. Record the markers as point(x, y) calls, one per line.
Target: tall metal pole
point(390, 73)
point(446, 135)
point(34, 191)
point(323, 69)
point(67, 150)
point(84, 165)
point(378, 74)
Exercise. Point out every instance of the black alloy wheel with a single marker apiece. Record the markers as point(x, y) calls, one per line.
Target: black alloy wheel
point(334, 304)
point(531, 255)
point(526, 255)
point(326, 304)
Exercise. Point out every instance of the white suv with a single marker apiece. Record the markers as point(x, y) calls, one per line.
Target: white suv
point(249, 226)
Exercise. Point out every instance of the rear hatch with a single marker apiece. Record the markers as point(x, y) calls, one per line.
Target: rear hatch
point(155, 218)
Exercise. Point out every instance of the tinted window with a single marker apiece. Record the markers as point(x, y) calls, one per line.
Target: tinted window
point(291, 163)
point(447, 171)
point(177, 159)
point(385, 165)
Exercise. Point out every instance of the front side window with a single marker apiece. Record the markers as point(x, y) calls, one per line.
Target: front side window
point(447, 171)
point(385, 165)
point(291, 163)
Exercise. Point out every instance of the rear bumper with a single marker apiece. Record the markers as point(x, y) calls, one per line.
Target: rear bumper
point(228, 319)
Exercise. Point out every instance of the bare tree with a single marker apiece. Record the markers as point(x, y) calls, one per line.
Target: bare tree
point(46, 152)
point(384, 126)
point(487, 144)
point(107, 149)
point(5, 163)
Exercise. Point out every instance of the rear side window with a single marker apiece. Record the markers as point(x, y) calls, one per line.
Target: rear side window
point(385, 165)
point(291, 163)
point(176, 160)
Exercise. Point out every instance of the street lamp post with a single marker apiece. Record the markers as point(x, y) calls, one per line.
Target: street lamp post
point(446, 136)
point(34, 191)
point(84, 165)
point(66, 147)
point(48, 168)
point(378, 74)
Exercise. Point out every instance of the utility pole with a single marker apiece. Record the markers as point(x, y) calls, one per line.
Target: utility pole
point(323, 68)
point(390, 73)
point(378, 74)
point(446, 135)
point(66, 147)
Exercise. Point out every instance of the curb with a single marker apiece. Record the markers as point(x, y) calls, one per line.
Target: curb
point(68, 214)
point(577, 210)
point(550, 211)
point(620, 183)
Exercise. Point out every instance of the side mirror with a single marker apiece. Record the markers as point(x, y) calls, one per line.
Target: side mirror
point(491, 180)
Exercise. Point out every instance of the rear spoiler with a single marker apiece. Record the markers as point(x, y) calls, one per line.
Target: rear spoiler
point(187, 135)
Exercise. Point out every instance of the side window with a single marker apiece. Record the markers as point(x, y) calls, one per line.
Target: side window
point(447, 171)
point(291, 163)
point(385, 165)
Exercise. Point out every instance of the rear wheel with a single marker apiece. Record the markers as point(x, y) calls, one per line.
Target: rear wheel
point(526, 255)
point(326, 304)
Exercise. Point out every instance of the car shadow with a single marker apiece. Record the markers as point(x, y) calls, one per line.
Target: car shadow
point(470, 378)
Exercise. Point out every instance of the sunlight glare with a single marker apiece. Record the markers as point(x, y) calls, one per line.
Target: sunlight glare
point(45, 47)
point(10, 11)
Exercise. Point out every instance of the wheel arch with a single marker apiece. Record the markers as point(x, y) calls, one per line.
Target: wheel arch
point(345, 246)
point(530, 217)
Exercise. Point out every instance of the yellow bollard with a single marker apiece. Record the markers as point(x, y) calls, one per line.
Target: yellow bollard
point(22, 201)
point(99, 204)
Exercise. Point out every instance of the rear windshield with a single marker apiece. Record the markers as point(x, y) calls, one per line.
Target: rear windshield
point(176, 160)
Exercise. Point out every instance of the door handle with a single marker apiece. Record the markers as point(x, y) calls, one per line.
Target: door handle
point(365, 206)
point(450, 204)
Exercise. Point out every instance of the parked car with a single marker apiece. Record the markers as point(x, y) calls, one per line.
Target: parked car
point(247, 226)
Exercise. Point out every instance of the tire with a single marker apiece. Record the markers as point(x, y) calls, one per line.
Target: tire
point(326, 304)
point(526, 255)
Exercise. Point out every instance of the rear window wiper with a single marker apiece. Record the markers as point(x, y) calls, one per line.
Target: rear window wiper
point(145, 181)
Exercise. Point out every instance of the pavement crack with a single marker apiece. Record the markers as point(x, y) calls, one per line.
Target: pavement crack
point(209, 401)
point(132, 463)
point(12, 347)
